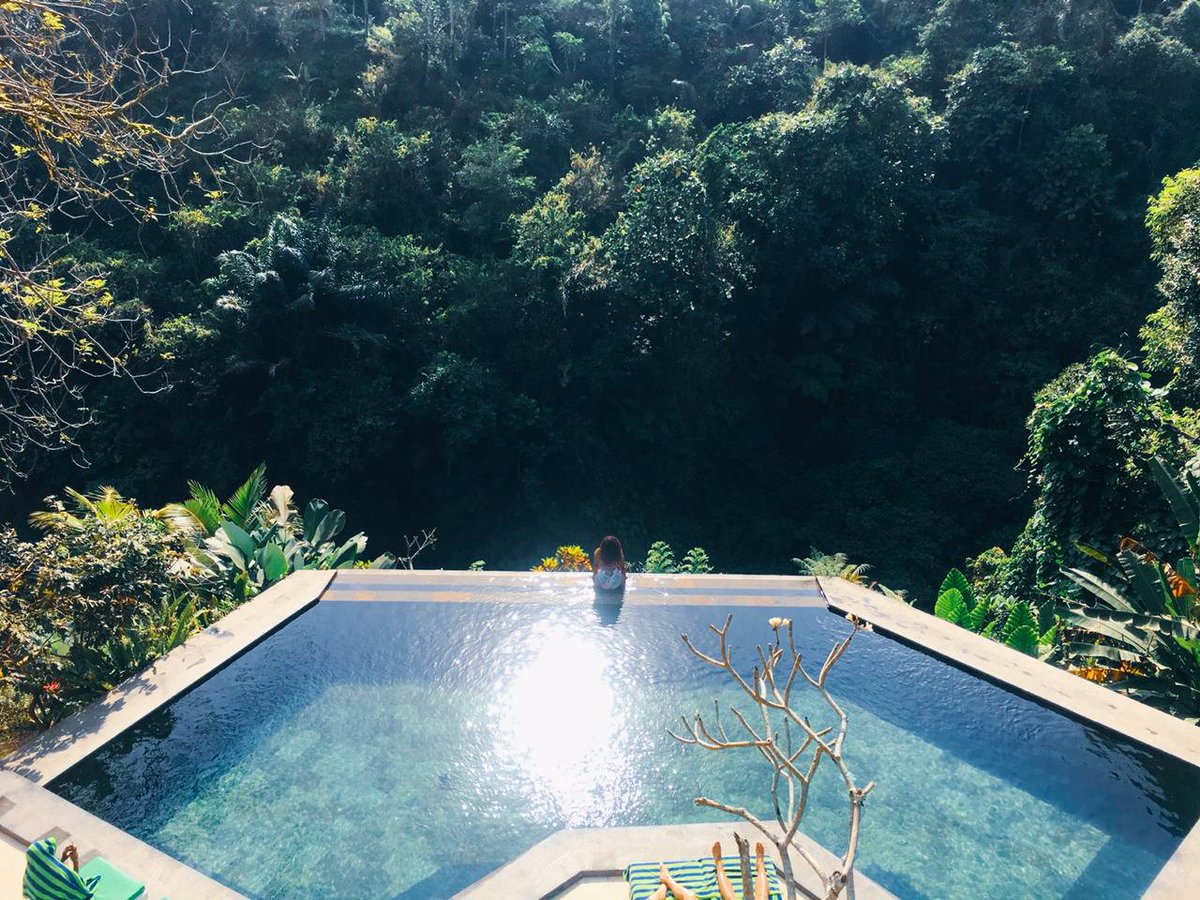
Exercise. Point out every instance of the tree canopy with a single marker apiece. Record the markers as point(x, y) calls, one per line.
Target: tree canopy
point(759, 276)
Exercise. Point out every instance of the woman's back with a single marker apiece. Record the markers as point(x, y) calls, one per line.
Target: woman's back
point(608, 565)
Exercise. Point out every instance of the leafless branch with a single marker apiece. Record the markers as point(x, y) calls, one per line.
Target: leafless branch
point(414, 545)
point(793, 767)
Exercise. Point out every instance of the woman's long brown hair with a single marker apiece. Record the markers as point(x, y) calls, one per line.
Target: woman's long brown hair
point(611, 552)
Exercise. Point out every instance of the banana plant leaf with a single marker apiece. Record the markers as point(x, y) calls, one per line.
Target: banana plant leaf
point(1103, 654)
point(274, 563)
point(240, 539)
point(1102, 590)
point(1090, 617)
point(1149, 587)
point(1183, 505)
point(384, 561)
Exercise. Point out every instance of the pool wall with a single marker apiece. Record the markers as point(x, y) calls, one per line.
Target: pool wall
point(27, 808)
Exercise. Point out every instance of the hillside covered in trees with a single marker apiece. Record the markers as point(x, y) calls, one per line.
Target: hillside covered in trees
point(755, 275)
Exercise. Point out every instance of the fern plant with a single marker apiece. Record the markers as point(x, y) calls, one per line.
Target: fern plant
point(660, 559)
point(838, 565)
point(696, 562)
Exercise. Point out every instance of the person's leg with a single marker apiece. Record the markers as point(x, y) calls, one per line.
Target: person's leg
point(678, 891)
point(660, 894)
point(762, 884)
point(723, 884)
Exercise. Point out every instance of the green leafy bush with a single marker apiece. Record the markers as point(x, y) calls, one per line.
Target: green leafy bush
point(74, 605)
point(1014, 623)
point(256, 538)
point(660, 559)
point(110, 587)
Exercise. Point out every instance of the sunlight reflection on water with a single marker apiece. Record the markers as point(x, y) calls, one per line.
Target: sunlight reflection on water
point(559, 723)
point(464, 733)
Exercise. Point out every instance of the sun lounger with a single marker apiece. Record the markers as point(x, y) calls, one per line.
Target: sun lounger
point(699, 875)
point(49, 878)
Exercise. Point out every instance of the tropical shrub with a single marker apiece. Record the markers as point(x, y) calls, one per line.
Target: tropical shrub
point(838, 565)
point(73, 604)
point(1140, 625)
point(255, 539)
point(1014, 623)
point(568, 558)
point(660, 558)
point(110, 587)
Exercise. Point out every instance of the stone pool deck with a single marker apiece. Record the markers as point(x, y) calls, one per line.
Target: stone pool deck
point(587, 862)
point(577, 864)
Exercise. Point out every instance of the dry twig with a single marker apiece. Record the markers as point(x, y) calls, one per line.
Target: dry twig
point(794, 751)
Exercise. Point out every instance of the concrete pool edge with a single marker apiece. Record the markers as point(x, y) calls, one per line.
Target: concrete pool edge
point(1023, 674)
point(448, 586)
point(81, 734)
point(553, 866)
point(29, 812)
point(1046, 684)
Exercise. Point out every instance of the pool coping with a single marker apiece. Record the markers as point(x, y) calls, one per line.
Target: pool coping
point(553, 866)
point(81, 734)
point(29, 811)
point(1047, 684)
point(52, 753)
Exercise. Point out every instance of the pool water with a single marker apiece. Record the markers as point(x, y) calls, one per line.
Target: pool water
point(405, 749)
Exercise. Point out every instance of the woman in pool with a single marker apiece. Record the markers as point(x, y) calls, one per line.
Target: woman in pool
point(608, 566)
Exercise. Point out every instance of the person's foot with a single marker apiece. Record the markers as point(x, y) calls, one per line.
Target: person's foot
point(724, 888)
point(663, 875)
point(762, 884)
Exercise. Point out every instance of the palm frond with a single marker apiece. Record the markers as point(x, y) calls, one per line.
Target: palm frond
point(242, 507)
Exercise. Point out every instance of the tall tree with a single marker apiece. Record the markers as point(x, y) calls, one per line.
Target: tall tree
point(82, 140)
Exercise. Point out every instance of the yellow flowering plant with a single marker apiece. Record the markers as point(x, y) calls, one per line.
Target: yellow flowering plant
point(569, 558)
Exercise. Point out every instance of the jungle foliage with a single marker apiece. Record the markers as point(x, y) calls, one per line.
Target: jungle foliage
point(760, 275)
point(110, 586)
point(1105, 570)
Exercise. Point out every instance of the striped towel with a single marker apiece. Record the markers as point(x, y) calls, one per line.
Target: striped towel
point(698, 875)
point(48, 878)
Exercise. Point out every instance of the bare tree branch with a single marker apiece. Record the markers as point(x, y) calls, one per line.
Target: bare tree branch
point(777, 745)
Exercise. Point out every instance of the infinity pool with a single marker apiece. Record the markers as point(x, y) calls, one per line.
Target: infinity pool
point(403, 749)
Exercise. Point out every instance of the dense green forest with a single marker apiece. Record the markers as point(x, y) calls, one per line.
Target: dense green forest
point(758, 276)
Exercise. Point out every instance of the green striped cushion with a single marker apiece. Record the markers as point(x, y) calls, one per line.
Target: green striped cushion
point(48, 878)
point(699, 875)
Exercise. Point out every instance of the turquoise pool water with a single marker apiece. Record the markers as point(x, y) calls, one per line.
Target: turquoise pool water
point(404, 749)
